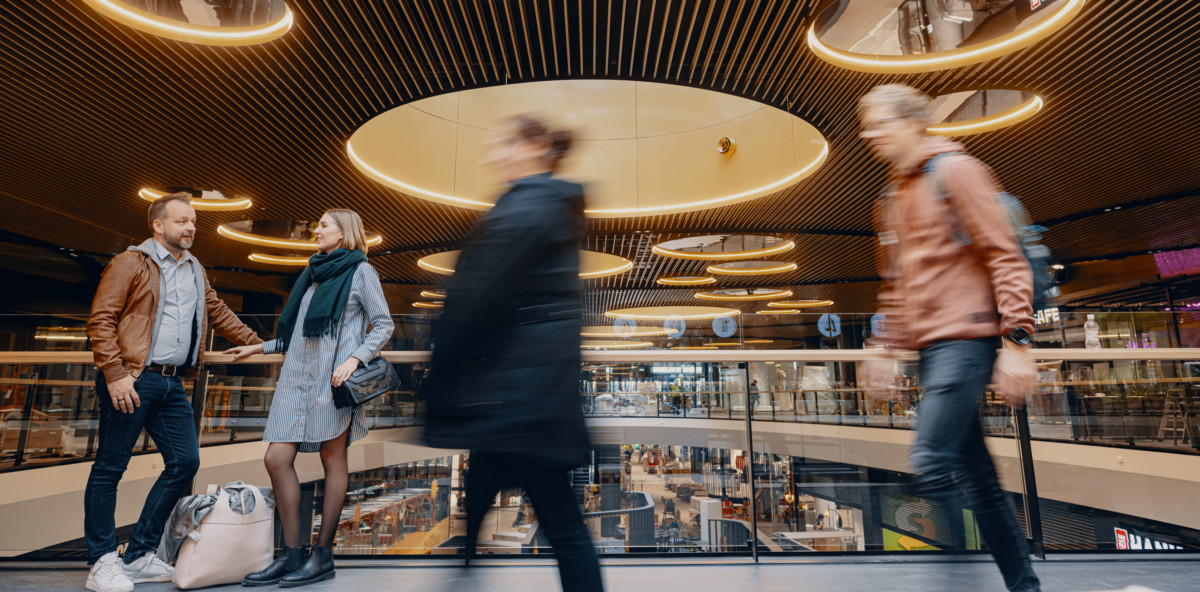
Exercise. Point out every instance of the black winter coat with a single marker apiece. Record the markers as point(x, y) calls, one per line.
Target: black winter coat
point(505, 372)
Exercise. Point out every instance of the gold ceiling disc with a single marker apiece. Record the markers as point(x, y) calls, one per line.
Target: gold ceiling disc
point(591, 264)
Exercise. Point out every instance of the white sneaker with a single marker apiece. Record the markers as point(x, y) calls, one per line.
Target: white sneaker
point(108, 575)
point(149, 568)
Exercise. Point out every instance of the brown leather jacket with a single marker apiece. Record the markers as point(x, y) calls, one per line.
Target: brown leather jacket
point(121, 323)
point(934, 288)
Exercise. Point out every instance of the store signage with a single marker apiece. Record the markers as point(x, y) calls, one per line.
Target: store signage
point(1127, 541)
point(724, 326)
point(1047, 316)
point(877, 325)
point(830, 325)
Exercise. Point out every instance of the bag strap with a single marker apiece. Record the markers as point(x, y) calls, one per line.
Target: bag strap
point(958, 233)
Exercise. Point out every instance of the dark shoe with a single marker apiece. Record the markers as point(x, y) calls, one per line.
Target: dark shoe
point(290, 559)
point(318, 568)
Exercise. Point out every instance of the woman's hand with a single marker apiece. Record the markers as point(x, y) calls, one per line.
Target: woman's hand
point(341, 373)
point(244, 351)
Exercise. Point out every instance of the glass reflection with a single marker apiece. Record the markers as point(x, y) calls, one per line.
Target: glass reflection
point(214, 13)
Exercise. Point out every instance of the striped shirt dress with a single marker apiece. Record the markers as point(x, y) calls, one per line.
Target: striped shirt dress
point(302, 409)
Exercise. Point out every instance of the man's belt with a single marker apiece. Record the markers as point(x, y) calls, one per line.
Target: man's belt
point(171, 371)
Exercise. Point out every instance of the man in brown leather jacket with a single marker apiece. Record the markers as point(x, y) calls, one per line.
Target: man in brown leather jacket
point(148, 324)
point(955, 301)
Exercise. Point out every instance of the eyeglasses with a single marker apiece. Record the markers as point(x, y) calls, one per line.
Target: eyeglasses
point(878, 123)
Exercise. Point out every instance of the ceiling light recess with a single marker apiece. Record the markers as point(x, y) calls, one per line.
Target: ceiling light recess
point(200, 203)
point(800, 303)
point(945, 60)
point(723, 247)
point(179, 30)
point(1008, 117)
point(663, 313)
point(686, 280)
point(292, 260)
point(752, 267)
point(591, 264)
point(240, 231)
point(743, 294)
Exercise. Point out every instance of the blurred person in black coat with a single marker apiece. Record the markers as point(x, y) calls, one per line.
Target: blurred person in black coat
point(504, 379)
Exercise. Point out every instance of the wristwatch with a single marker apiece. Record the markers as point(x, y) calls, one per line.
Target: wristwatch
point(1019, 336)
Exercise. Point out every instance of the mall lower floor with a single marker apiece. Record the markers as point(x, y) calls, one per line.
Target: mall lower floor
point(1075, 573)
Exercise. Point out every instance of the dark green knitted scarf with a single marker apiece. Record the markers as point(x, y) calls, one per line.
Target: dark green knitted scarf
point(334, 274)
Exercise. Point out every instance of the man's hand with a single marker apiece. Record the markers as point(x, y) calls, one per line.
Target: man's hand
point(1014, 373)
point(341, 373)
point(124, 397)
point(878, 376)
point(244, 351)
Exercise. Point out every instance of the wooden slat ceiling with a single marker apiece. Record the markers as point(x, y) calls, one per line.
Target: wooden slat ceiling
point(92, 111)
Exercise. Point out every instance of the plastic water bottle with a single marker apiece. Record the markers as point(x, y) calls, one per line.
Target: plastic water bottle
point(1091, 331)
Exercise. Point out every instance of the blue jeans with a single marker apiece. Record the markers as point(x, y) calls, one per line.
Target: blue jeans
point(166, 414)
point(951, 460)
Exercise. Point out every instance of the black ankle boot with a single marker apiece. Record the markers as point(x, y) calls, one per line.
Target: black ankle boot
point(290, 559)
point(318, 568)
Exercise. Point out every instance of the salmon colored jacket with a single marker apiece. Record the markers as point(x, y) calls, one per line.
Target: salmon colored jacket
point(934, 288)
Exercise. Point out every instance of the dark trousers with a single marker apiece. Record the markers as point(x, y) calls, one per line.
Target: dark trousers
point(952, 463)
point(554, 504)
point(166, 414)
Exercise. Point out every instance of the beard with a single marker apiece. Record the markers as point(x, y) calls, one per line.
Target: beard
point(178, 241)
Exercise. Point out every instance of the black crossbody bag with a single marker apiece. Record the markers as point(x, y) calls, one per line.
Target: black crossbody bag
point(367, 382)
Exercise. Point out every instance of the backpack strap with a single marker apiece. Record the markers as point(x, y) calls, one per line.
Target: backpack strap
point(958, 233)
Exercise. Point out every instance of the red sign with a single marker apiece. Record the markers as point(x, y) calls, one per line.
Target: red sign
point(1035, 4)
point(1122, 539)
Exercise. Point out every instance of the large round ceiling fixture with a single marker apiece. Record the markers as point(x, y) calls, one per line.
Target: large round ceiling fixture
point(664, 313)
point(744, 294)
point(800, 303)
point(198, 22)
point(641, 148)
point(623, 331)
point(752, 267)
point(613, 344)
point(724, 247)
point(975, 112)
point(888, 38)
point(686, 280)
point(289, 260)
point(280, 234)
point(591, 264)
point(209, 200)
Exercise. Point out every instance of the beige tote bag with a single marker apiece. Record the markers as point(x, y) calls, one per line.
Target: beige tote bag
point(226, 546)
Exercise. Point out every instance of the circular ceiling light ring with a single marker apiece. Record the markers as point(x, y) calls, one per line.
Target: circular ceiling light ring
point(200, 203)
point(693, 248)
point(1008, 117)
point(758, 341)
point(663, 313)
point(289, 260)
point(778, 311)
point(752, 268)
point(695, 347)
point(423, 304)
point(800, 303)
point(944, 60)
point(686, 280)
point(613, 344)
point(279, 243)
point(592, 264)
point(611, 331)
point(148, 22)
point(743, 294)
point(435, 294)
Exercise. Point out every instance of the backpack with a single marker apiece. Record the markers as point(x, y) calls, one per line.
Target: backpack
point(1029, 236)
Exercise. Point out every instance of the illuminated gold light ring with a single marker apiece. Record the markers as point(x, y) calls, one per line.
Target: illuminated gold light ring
point(715, 295)
point(422, 304)
point(297, 261)
point(443, 263)
point(725, 256)
point(435, 294)
point(686, 280)
point(800, 303)
point(988, 123)
point(202, 34)
point(724, 269)
point(695, 347)
point(778, 311)
point(662, 313)
point(758, 341)
point(282, 243)
point(602, 344)
point(200, 203)
point(611, 331)
point(944, 60)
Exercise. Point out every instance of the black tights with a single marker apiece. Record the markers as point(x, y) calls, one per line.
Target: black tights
point(281, 466)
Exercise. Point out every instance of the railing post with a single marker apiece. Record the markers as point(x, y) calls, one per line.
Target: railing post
point(31, 391)
point(745, 368)
point(199, 398)
point(1033, 510)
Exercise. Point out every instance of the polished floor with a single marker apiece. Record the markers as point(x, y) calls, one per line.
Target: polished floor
point(1073, 574)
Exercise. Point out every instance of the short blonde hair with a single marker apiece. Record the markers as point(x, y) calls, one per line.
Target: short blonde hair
point(354, 237)
point(905, 100)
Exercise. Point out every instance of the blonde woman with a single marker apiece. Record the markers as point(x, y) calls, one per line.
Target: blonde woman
point(335, 319)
